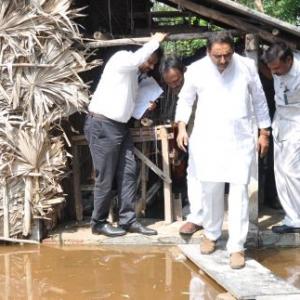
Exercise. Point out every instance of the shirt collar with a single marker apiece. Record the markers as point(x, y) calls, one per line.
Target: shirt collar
point(295, 66)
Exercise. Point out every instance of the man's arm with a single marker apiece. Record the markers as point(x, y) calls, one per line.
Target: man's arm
point(261, 112)
point(134, 59)
point(184, 107)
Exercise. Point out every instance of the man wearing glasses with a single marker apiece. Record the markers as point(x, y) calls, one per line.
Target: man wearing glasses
point(222, 144)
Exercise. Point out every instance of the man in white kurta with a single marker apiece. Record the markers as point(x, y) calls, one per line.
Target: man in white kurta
point(285, 66)
point(222, 144)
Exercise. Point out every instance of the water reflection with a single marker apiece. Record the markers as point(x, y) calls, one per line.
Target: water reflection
point(283, 262)
point(100, 273)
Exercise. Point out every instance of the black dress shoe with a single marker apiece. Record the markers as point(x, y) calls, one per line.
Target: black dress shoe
point(285, 229)
point(137, 227)
point(107, 229)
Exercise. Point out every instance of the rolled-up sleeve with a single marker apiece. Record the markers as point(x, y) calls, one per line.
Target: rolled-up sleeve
point(260, 106)
point(186, 98)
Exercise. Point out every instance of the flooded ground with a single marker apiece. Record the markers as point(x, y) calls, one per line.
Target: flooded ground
point(120, 272)
point(284, 262)
point(139, 273)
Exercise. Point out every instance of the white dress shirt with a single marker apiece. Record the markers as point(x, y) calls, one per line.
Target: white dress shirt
point(221, 146)
point(287, 97)
point(116, 92)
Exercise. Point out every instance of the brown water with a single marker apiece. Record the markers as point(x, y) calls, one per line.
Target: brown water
point(139, 273)
point(283, 262)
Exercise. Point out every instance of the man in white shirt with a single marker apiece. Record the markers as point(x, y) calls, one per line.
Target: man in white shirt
point(285, 67)
point(109, 138)
point(222, 143)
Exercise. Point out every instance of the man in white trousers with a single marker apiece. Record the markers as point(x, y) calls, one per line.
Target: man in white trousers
point(285, 67)
point(222, 144)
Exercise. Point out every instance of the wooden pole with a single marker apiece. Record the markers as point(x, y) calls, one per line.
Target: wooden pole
point(5, 202)
point(251, 50)
point(166, 170)
point(76, 183)
point(142, 40)
point(27, 206)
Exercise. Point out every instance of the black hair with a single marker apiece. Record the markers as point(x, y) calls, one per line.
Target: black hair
point(278, 50)
point(171, 62)
point(159, 53)
point(220, 37)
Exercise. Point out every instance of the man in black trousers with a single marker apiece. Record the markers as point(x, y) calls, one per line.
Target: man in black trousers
point(110, 142)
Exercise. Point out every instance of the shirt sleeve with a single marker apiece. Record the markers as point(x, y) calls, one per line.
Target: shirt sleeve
point(186, 99)
point(132, 60)
point(259, 101)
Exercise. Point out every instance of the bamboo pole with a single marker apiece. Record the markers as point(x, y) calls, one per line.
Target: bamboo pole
point(27, 206)
point(27, 65)
point(5, 211)
point(142, 40)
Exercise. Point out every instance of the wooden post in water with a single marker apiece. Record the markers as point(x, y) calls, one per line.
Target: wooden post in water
point(251, 50)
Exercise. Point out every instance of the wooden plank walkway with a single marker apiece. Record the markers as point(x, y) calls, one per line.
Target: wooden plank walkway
point(252, 282)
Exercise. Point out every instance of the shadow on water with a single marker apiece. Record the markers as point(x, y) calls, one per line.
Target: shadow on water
point(144, 273)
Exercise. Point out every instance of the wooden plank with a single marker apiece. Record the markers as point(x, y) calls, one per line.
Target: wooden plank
point(5, 211)
point(76, 183)
point(20, 241)
point(251, 282)
point(164, 176)
point(166, 168)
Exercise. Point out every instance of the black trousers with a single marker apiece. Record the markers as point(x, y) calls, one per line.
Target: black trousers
point(111, 148)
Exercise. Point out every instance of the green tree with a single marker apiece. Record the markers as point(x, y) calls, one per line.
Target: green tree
point(286, 10)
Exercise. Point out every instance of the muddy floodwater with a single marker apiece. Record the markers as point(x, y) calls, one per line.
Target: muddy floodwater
point(139, 273)
point(101, 273)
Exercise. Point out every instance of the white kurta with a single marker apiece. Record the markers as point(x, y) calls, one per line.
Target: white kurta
point(286, 132)
point(221, 146)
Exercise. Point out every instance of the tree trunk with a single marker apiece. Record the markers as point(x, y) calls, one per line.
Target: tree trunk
point(259, 5)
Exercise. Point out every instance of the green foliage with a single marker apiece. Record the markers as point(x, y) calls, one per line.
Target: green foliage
point(286, 10)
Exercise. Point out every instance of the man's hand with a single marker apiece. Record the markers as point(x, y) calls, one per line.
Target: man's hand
point(182, 136)
point(152, 105)
point(263, 142)
point(159, 36)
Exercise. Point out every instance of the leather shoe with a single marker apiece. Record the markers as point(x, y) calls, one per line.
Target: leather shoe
point(285, 229)
point(189, 228)
point(107, 229)
point(137, 227)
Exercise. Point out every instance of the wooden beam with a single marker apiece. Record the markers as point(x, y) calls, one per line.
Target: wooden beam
point(166, 168)
point(163, 14)
point(76, 183)
point(142, 40)
point(230, 20)
point(20, 241)
point(164, 176)
point(5, 201)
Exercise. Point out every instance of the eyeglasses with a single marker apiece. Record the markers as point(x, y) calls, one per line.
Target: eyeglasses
point(224, 56)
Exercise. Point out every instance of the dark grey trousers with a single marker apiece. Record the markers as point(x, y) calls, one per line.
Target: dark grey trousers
point(111, 148)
